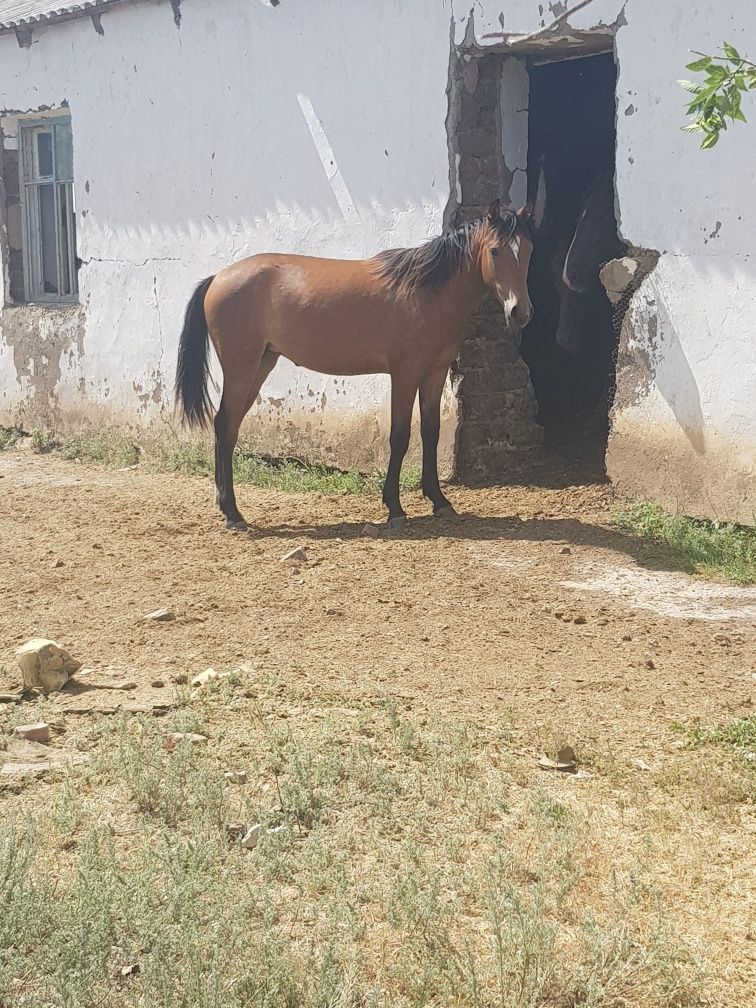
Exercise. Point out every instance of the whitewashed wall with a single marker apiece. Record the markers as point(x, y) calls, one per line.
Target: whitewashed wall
point(686, 437)
point(320, 128)
point(311, 128)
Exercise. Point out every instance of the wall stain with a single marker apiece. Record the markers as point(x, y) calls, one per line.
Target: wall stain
point(42, 340)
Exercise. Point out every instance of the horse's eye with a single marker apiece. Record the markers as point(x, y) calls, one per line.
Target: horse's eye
point(494, 251)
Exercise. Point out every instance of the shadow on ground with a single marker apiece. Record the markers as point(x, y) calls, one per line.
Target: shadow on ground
point(570, 531)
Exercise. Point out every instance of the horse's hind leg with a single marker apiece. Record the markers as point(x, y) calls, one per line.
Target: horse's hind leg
point(431, 389)
point(239, 394)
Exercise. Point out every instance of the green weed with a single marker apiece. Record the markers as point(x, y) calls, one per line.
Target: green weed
point(8, 438)
point(696, 546)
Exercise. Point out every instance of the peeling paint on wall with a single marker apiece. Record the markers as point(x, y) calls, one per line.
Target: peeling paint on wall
point(44, 343)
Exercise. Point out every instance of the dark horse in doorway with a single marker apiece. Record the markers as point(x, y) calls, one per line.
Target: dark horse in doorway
point(585, 325)
point(404, 313)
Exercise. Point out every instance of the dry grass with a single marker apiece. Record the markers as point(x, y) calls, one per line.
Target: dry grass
point(407, 867)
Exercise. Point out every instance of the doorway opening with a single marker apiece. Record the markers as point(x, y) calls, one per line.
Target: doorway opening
point(535, 121)
point(570, 346)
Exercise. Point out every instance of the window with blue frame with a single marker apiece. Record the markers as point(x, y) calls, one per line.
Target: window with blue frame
point(47, 208)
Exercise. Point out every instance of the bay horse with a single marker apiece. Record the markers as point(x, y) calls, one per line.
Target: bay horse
point(404, 312)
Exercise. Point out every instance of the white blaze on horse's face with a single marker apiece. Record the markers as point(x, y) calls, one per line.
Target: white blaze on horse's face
point(510, 269)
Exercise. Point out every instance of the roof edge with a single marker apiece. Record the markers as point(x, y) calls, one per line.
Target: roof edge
point(69, 12)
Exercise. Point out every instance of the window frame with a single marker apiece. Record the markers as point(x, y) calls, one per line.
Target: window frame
point(65, 246)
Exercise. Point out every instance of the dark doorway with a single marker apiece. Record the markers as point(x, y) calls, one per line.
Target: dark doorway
point(571, 142)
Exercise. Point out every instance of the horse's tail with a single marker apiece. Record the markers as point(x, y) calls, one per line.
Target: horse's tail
point(193, 366)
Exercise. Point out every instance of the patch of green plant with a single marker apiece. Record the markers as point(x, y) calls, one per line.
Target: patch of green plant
point(42, 440)
point(8, 438)
point(718, 97)
point(110, 448)
point(739, 736)
point(701, 547)
point(289, 475)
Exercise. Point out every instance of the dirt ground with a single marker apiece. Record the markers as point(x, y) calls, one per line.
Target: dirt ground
point(530, 609)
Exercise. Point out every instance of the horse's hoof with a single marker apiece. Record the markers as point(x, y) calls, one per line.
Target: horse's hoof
point(399, 522)
point(447, 511)
point(238, 526)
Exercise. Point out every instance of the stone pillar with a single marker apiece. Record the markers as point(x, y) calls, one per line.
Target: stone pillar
point(497, 405)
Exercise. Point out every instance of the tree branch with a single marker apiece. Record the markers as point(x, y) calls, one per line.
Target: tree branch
point(556, 23)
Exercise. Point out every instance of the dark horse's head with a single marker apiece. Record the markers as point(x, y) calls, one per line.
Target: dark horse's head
point(595, 240)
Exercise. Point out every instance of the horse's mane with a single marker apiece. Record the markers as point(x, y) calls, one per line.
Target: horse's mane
point(432, 264)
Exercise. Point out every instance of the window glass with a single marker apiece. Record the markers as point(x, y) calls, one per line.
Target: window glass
point(47, 242)
point(44, 155)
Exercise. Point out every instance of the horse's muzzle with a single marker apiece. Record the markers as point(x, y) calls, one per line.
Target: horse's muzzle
point(518, 315)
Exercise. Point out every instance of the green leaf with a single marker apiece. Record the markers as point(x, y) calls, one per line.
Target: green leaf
point(699, 65)
point(709, 141)
point(687, 85)
point(694, 127)
point(739, 116)
point(731, 52)
point(695, 106)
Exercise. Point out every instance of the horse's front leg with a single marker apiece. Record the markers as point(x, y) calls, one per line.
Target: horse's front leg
point(431, 390)
point(403, 392)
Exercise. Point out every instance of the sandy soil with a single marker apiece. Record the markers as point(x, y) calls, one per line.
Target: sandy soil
point(529, 609)
point(530, 604)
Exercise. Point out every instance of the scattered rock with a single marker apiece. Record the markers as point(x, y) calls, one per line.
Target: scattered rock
point(156, 709)
point(157, 684)
point(25, 758)
point(565, 551)
point(45, 665)
point(251, 837)
point(371, 531)
point(640, 764)
point(334, 612)
point(649, 663)
point(173, 739)
point(236, 776)
point(208, 676)
point(616, 277)
point(236, 830)
point(133, 969)
point(566, 761)
point(59, 563)
point(90, 707)
point(39, 732)
point(579, 620)
point(722, 639)
point(181, 678)
point(11, 697)
point(160, 615)
point(296, 555)
point(93, 681)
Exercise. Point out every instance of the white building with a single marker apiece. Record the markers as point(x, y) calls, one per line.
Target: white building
point(191, 133)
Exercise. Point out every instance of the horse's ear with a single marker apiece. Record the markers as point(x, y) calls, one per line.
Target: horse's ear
point(494, 211)
point(526, 213)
